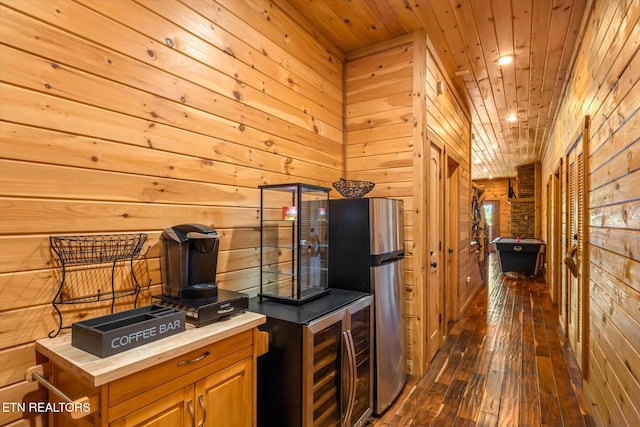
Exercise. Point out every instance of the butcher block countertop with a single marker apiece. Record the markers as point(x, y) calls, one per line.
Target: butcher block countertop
point(99, 371)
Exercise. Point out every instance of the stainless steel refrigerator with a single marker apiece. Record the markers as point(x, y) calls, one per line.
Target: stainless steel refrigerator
point(366, 238)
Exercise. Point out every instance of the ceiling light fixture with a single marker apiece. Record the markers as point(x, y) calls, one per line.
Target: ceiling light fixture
point(505, 60)
point(512, 118)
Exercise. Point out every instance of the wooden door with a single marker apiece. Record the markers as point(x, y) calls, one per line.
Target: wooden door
point(492, 220)
point(575, 229)
point(434, 247)
point(452, 235)
point(554, 236)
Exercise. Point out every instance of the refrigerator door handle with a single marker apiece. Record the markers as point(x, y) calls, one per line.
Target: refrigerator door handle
point(351, 377)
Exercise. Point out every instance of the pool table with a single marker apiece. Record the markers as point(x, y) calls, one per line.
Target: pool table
point(519, 255)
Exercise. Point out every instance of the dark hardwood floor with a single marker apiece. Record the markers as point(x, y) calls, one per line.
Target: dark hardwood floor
point(506, 362)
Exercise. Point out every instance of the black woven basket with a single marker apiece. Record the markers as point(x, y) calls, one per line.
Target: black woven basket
point(352, 189)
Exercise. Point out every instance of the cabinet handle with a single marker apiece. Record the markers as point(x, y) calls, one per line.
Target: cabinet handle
point(197, 359)
point(35, 373)
point(204, 410)
point(192, 413)
point(226, 310)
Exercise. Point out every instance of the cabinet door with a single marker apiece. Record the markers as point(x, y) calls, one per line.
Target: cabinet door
point(359, 325)
point(322, 372)
point(175, 409)
point(225, 399)
point(337, 367)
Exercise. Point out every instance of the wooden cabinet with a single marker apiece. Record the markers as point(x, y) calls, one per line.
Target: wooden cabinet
point(223, 398)
point(212, 384)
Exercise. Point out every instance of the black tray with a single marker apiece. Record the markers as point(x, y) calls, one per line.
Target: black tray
point(108, 335)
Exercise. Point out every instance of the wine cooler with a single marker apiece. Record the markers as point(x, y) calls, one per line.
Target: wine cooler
point(319, 368)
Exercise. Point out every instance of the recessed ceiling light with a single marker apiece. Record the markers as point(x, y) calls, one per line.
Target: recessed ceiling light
point(512, 118)
point(504, 60)
point(485, 170)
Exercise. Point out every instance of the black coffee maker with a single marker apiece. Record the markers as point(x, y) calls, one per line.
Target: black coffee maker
point(188, 261)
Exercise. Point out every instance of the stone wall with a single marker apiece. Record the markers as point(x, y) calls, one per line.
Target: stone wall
point(523, 208)
point(523, 219)
point(526, 181)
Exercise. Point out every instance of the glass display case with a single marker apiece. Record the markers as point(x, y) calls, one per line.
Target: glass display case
point(294, 246)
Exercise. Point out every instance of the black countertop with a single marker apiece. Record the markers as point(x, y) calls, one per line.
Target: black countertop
point(308, 311)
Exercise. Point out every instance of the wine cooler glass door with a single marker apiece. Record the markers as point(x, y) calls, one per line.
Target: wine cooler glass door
point(322, 372)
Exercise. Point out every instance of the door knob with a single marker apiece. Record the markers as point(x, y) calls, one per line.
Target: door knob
point(450, 250)
point(434, 264)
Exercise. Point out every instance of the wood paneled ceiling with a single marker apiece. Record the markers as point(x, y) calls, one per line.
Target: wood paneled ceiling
point(470, 36)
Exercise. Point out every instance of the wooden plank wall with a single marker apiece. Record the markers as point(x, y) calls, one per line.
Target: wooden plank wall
point(605, 85)
point(380, 137)
point(121, 116)
point(386, 130)
point(448, 123)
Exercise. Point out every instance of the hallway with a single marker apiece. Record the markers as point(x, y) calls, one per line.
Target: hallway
point(505, 362)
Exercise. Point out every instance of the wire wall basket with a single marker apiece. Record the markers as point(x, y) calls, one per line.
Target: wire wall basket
point(95, 249)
